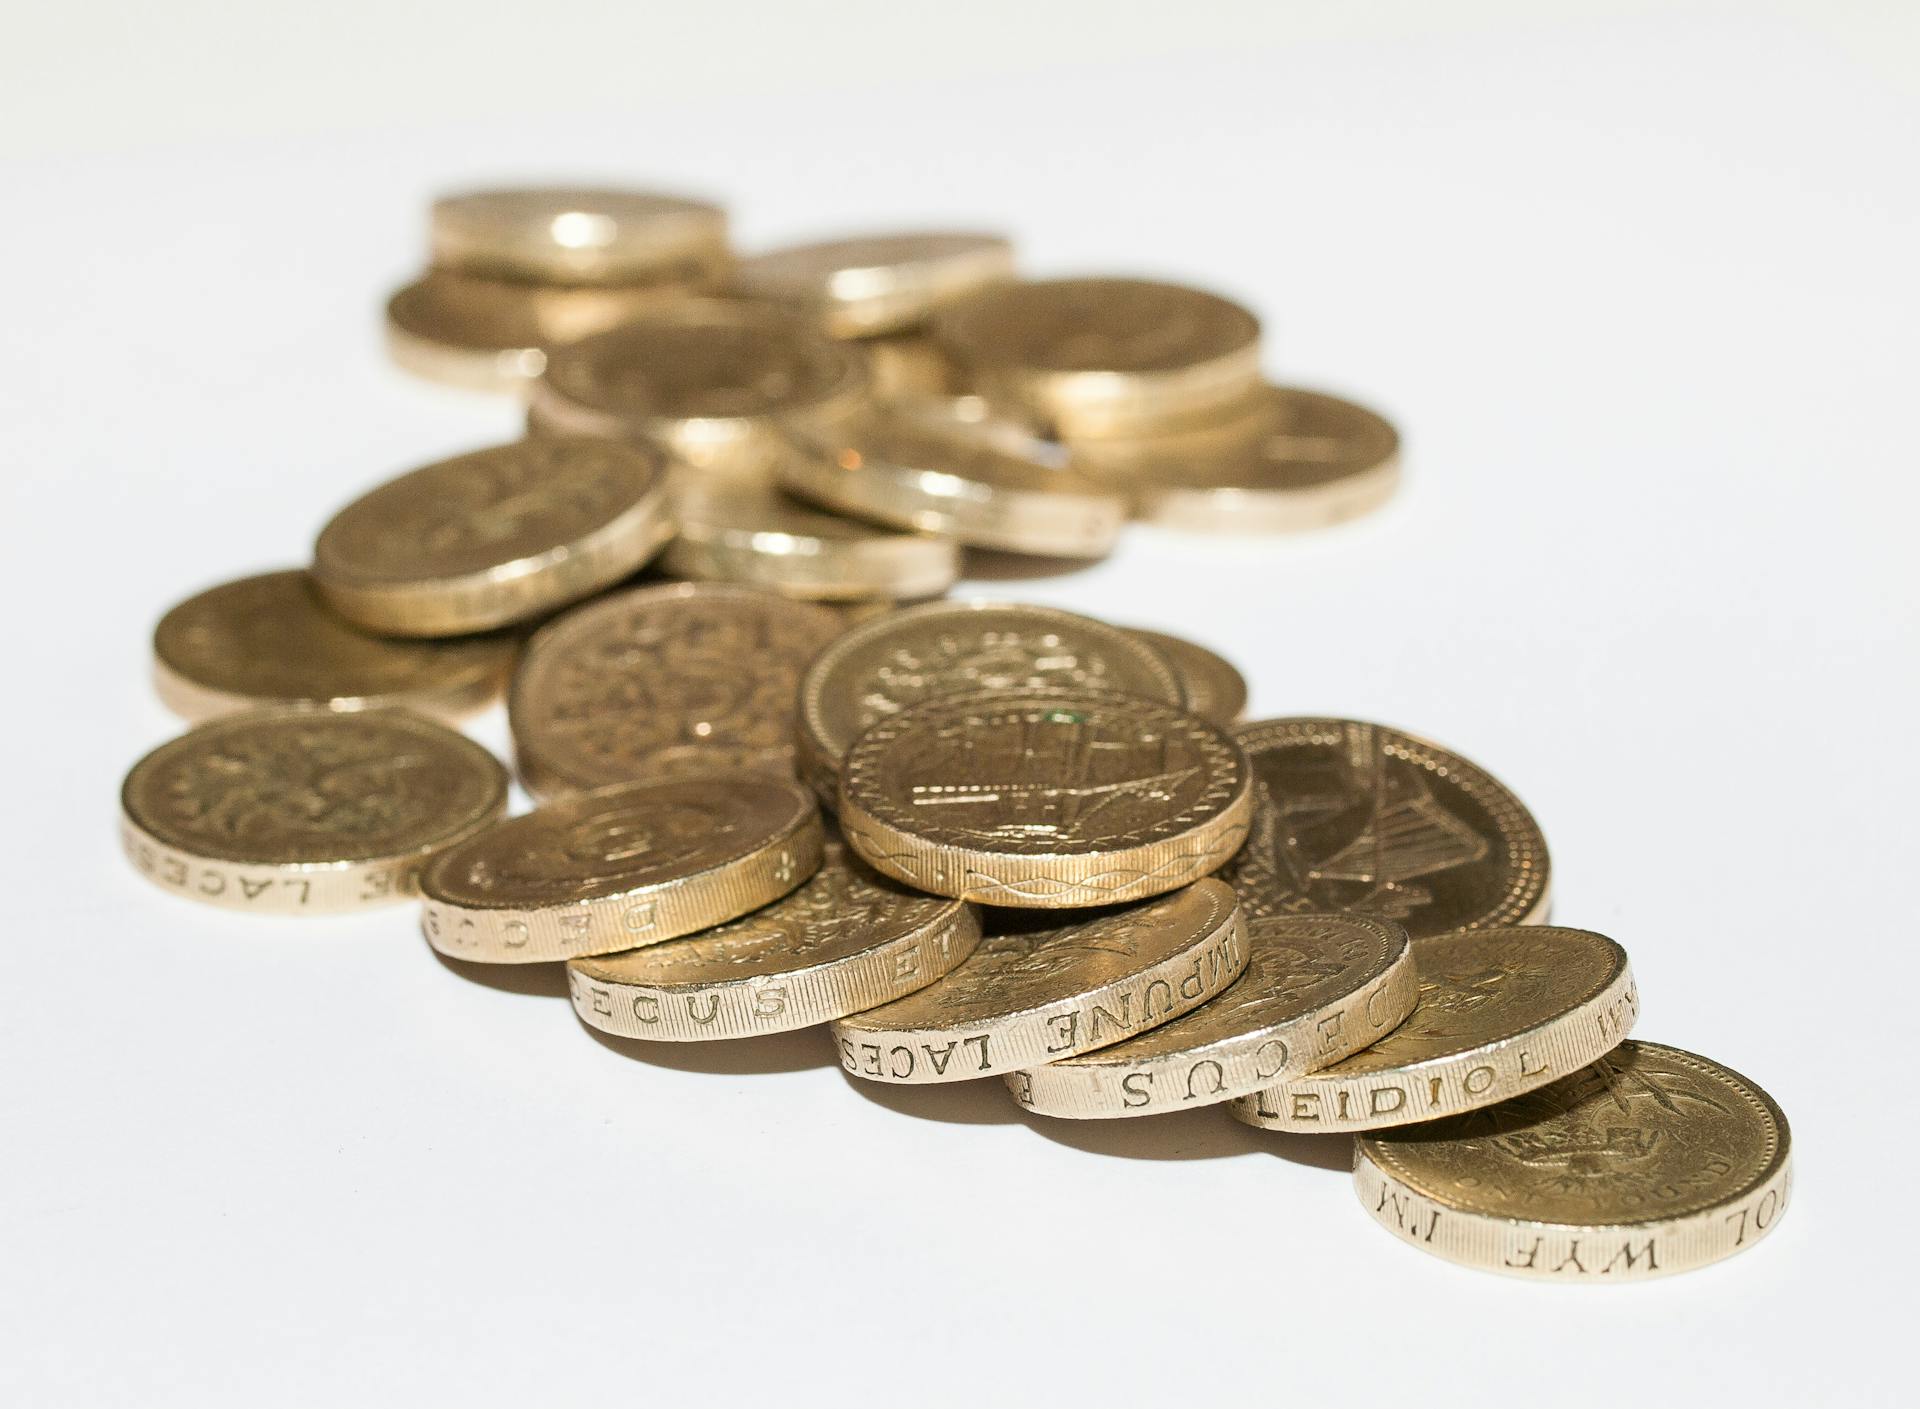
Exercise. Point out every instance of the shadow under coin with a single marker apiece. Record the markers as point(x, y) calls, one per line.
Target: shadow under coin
point(743, 1056)
point(992, 565)
point(1334, 1152)
point(983, 1102)
point(1176, 1135)
point(540, 980)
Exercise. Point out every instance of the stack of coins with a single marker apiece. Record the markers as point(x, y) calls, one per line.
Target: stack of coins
point(970, 839)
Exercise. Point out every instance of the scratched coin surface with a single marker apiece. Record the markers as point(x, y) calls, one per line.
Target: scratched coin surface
point(579, 235)
point(848, 939)
point(1047, 800)
point(621, 867)
point(1501, 1012)
point(1358, 817)
point(1214, 688)
point(679, 677)
point(1648, 1162)
point(305, 811)
point(494, 537)
point(1037, 992)
point(1102, 357)
point(270, 640)
point(952, 647)
point(871, 284)
point(1317, 988)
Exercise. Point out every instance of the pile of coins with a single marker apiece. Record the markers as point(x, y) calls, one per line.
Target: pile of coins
point(974, 839)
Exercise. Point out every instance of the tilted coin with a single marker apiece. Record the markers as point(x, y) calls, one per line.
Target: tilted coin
point(846, 940)
point(1500, 1012)
point(1214, 688)
point(688, 676)
point(954, 647)
point(742, 528)
point(305, 811)
point(494, 537)
point(1097, 357)
point(1317, 988)
point(621, 867)
point(876, 283)
point(1032, 994)
point(714, 382)
point(1358, 817)
point(1045, 800)
point(270, 640)
point(580, 235)
point(988, 489)
point(1648, 1162)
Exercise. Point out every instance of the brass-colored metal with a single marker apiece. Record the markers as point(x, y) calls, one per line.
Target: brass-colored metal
point(874, 284)
point(1047, 800)
point(714, 382)
point(678, 677)
point(988, 486)
point(1032, 994)
point(1214, 688)
point(742, 528)
point(1317, 988)
point(621, 867)
point(1501, 1012)
point(846, 940)
point(305, 811)
point(955, 647)
point(1361, 818)
point(269, 640)
point(1104, 357)
point(1649, 1162)
point(495, 537)
point(580, 235)
point(909, 367)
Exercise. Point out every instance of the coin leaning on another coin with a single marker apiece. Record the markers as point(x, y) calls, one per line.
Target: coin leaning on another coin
point(867, 285)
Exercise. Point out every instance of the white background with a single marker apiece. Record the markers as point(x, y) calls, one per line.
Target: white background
point(1636, 280)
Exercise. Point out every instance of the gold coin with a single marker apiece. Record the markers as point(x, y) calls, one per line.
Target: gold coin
point(572, 235)
point(985, 487)
point(848, 939)
point(1032, 994)
point(669, 678)
point(1650, 1161)
point(876, 283)
point(1361, 818)
point(305, 811)
point(954, 647)
point(494, 537)
point(621, 867)
point(714, 382)
point(1101, 357)
point(907, 367)
point(741, 528)
point(1046, 800)
point(494, 334)
point(270, 640)
point(1320, 461)
point(1501, 1012)
point(1317, 988)
point(1214, 688)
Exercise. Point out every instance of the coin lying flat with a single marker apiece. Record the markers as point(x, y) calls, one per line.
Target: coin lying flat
point(741, 528)
point(1101, 357)
point(1357, 817)
point(714, 382)
point(621, 867)
point(988, 488)
point(1213, 687)
point(269, 640)
point(1032, 994)
point(1317, 988)
point(580, 235)
point(494, 537)
point(1650, 1161)
point(304, 811)
point(876, 283)
point(654, 680)
point(1500, 1013)
point(954, 647)
point(846, 940)
point(1045, 800)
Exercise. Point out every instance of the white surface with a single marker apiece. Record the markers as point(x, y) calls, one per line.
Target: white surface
point(1636, 280)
